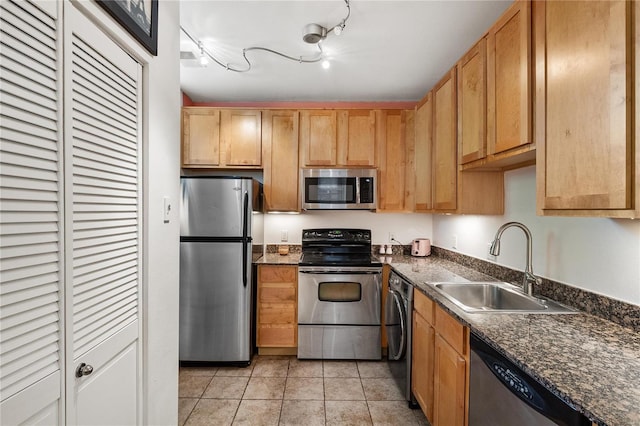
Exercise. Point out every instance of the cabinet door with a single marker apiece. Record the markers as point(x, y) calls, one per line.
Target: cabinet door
point(356, 138)
point(241, 137)
point(422, 155)
point(200, 137)
point(586, 126)
point(277, 314)
point(509, 79)
point(280, 160)
point(445, 161)
point(449, 385)
point(391, 131)
point(318, 138)
point(422, 364)
point(472, 111)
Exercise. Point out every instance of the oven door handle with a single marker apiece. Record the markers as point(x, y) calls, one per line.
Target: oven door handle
point(403, 326)
point(345, 272)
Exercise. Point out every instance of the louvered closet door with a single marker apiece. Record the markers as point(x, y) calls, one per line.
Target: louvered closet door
point(103, 263)
point(31, 214)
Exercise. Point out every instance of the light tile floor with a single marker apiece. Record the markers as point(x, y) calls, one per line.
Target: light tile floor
point(287, 391)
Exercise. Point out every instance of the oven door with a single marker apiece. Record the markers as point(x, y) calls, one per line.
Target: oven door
point(339, 296)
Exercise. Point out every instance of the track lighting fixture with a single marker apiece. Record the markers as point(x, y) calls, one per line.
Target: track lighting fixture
point(312, 34)
point(204, 61)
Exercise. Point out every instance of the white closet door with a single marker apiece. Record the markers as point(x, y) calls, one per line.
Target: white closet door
point(31, 214)
point(103, 215)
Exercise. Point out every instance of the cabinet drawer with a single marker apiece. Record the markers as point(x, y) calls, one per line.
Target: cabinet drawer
point(277, 314)
point(277, 335)
point(423, 305)
point(277, 293)
point(278, 274)
point(451, 331)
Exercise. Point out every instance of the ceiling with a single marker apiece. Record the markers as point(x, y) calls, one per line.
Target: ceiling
point(388, 51)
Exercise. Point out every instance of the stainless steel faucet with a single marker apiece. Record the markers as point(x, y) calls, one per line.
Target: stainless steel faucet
point(529, 279)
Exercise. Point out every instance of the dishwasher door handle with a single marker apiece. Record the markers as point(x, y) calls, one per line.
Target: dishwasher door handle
point(397, 300)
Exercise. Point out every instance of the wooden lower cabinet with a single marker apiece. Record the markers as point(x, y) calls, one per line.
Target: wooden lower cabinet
point(277, 314)
point(440, 360)
point(422, 359)
point(449, 385)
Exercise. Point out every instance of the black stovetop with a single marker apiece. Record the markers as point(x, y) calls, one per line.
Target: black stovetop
point(337, 247)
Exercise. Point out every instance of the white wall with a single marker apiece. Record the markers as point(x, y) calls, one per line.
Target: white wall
point(405, 227)
point(162, 178)
point(598, 255)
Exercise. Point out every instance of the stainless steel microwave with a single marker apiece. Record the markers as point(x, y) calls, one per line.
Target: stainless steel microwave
point(338, 189)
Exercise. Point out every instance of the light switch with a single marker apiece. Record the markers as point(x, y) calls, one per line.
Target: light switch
point(166, 209)
point(284, 236)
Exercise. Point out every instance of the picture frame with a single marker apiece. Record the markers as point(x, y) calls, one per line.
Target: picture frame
point(138, 17)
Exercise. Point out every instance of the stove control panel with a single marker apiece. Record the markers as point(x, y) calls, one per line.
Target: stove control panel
point(339, 235)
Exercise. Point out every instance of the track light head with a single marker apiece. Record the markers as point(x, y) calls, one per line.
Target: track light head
point(314, 33)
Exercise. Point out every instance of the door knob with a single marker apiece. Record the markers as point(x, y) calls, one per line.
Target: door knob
point(84, 370)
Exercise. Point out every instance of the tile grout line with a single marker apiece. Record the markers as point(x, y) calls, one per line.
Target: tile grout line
point(287, 377)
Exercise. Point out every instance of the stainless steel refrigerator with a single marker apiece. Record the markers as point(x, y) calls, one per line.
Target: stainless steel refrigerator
point(216, 245)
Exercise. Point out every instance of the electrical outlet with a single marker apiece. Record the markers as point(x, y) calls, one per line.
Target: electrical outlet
point(454, 242)
point(391, 237)
point(284, 236)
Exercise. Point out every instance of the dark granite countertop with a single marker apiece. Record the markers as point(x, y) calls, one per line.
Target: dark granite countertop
point(591, 363)
point(277, 259)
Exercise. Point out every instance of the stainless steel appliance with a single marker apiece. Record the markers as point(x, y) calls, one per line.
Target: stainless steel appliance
point(398, 324)
point(339, 285)
point(340, 189)
point(500, 393)
point(216, 267)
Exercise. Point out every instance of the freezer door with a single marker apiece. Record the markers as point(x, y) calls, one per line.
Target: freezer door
point(216, 207)
point(215, 305)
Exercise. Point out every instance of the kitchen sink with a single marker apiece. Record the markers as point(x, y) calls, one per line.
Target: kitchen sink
point(496, 297)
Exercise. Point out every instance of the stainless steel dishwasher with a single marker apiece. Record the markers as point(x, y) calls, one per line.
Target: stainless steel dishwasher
point(500, 393)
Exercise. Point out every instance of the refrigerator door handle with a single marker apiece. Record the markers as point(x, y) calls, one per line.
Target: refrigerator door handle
point(245, 240)
point(245, 215)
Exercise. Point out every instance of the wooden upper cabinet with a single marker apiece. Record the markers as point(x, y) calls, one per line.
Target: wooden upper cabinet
point(356, 138)
point(392, 131)
point(280, 160)
point(585, 91)
point(472, 103)
point(445, 160)
point(215, 138)
point(241, 137)
point(318, 138)
point(422, 155)
point(509, 80)
point(200, 137)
